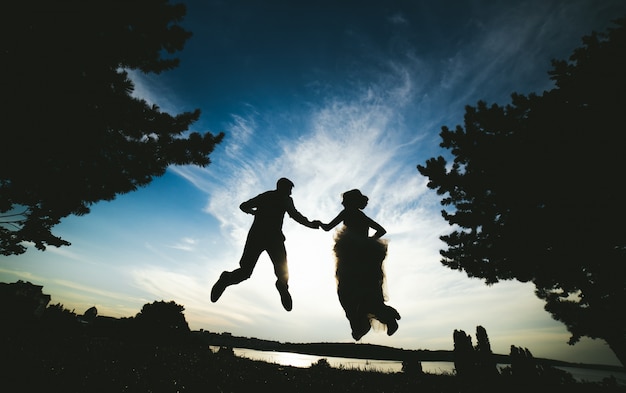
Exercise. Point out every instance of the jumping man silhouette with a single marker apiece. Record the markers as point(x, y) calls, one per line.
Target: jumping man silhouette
point(266, 234)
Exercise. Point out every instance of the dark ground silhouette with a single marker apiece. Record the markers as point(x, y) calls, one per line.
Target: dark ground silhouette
point(53, 349)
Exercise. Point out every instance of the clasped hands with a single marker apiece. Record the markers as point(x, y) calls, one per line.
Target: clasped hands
point(318, 224)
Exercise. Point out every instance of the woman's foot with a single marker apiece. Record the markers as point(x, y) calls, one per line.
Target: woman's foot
point(359, 333)
point(360, 326)
point(394, 313)
point(389, 319)
point(392, 327)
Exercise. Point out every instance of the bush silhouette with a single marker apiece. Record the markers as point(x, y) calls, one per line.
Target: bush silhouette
point(162, 321)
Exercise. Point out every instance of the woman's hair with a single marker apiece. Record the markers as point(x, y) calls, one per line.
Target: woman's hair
point(354, 198)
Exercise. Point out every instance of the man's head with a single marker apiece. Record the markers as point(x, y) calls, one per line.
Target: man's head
point(284, 185)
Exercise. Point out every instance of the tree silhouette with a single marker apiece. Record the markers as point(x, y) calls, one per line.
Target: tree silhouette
point(74, 134)
point(485, 361)
point(473, 361)
point(464, 357)
point(534, 191)
point(162, 321)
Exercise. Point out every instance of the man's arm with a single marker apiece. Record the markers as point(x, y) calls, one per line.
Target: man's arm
point(250, 205)
point(299, 218)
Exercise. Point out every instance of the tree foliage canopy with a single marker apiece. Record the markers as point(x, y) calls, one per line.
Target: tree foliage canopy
point(165, 319)
point(74, 134)
point(534, 190)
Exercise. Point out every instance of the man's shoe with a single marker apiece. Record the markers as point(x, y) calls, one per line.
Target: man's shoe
point(285, 297)
point(218, 288)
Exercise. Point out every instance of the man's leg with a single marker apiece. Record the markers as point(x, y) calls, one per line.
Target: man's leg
point(251, 252)
point(278, 256)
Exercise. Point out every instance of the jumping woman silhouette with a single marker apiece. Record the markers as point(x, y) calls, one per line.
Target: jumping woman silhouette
point(359, 267)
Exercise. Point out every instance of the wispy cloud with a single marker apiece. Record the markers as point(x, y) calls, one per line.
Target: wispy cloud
point(397, 19)
point(185, 244)
point(148, 88)
point(510, 50)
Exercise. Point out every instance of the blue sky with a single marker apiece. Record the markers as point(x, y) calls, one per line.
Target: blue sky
point(333, 95)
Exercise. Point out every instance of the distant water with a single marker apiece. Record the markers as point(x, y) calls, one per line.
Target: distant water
point(393, 366)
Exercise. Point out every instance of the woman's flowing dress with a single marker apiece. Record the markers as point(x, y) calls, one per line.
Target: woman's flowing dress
point(361, 280)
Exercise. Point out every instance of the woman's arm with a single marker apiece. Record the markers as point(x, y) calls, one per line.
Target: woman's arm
point(334, 222)
point(380, 231)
